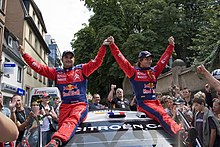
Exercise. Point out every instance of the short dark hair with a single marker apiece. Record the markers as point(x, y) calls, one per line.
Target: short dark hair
point(186, 88)
point(199, 100)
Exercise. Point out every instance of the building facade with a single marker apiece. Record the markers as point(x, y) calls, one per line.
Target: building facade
point(54, 56)
point(13, 68)
point(24, 20)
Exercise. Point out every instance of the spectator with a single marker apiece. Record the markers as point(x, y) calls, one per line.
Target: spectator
point(208, 95)
point(164, 101)
point(9, 131)
point(95, 104)
point(213, 82)
point(205, 122)
point(35, 108)
point(133, 104)
point(170, 107)
point(186, 95)
point(3, 109)
point(208, 89)
point(216, 108)
point(118, 101)
point(49, 116)
point(56, 106)
point(159, 96)
point(143, 79)
point(22, 116)
point(181, 105)
point(72, 82)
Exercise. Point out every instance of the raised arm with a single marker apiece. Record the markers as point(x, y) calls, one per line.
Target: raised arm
point(94, 64)
point(37, 67)
point(22, 126)
point(111, 93)
point(121, 60)
point(9, 131)
point(211, 80)
point(164, 59)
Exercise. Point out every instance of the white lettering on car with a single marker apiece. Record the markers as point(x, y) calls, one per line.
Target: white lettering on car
point(121, 127)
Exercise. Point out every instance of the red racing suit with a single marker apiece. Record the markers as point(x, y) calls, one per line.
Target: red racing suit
point(72, 84)
point(143, 82)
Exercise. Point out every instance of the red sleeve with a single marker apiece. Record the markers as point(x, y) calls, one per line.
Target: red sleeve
point(93, 65)
point(40, 68)
point(164, 59)
point(122, 61)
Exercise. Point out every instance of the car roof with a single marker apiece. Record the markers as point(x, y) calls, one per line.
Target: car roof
point(101, 130)
point(102, 115)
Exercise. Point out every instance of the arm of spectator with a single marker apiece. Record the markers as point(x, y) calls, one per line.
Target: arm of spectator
point(211, 80)
point(132, 101)
point(53, 115)
point(212, 137)
point(110, 95)
point(208, 96)
point(22, 126)
point(9, 131)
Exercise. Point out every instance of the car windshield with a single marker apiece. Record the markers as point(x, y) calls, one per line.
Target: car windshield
point(132, 133)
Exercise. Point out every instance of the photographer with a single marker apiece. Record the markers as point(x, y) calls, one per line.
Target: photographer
point(48, 116)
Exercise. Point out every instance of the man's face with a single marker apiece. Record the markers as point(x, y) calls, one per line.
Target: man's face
point(68, 60)
point(57, 101)
point(96, 99)
point(18, 100)
point(46, 99)
point(216, 105)
point(185, 93)
point(198, 107)
point(146, 62)
point(119, 93)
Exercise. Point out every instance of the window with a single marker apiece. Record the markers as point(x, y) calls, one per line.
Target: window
point(34, 16)
point(2, 5)
point(29, 70)
point(30, 36)
point(36, 44)
point(40, 50)
point(44, 80)
point(35, 75)
point(27, 94)
point(19, 74)
point(7, 75)
point(40, 78)
point(10, 40)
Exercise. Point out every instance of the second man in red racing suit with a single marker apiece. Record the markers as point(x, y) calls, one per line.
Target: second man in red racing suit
point(72, 83)
point(143, 80)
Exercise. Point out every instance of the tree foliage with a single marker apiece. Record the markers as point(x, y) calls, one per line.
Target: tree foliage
point(146, 25)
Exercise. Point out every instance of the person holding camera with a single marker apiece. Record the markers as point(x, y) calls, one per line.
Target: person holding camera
point(49, 116)
point(118, 101)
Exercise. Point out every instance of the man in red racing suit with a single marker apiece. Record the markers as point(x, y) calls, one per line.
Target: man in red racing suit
point(72, 83)
point(143, 79)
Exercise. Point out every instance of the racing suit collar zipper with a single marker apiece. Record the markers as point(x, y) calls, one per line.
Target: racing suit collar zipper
point(67, 69)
